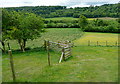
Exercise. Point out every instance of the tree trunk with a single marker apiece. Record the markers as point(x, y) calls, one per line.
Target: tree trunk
point(22, 44)
point(19, 41)
point(3, 44)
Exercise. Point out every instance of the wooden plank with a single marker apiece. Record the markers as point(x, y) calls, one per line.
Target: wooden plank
point(67, 57)
point(57, 43)
point(67, 53)
point(67, 49)
point(61, 58)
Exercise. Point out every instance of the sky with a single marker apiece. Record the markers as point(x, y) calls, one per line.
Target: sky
point(68, 3)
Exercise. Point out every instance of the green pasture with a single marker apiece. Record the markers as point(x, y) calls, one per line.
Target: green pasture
point(61, 18)
point(87, 64)
point(71, 18)
point(93, 37)
point(52, 34)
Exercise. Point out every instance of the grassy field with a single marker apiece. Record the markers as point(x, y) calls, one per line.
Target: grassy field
point(62, 18)
point(70, 18)
point(52, 34)
point(87, 64)
point(100, 37)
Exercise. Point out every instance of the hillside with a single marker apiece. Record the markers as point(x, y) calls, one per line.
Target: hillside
point(106, 10)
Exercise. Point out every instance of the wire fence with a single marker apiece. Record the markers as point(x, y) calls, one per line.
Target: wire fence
point(101, 43)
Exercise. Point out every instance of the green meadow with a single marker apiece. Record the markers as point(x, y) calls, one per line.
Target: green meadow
point(101, 38)
point(87, 64)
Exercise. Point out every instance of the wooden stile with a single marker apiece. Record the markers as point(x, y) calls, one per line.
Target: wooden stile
point(66, 49)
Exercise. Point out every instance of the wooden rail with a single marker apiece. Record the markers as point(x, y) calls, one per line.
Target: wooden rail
point(65, 49)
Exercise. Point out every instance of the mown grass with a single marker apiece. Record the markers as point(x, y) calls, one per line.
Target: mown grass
point(87, 64)
point(93, 37)
point(52, 34)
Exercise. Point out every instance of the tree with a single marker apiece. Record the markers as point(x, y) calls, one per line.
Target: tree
point(30, 27)
point(21, 27)
point(118, 20)
point(6, 27)
point(83, 21)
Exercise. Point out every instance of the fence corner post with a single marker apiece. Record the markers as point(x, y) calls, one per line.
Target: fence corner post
point(12, 65)
point(89, 43)
point(47, 45)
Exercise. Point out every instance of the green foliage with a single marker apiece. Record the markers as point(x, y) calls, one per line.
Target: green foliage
point(118, 20)
point(103, 26)
point(21, 26)
point(29, 28)
point(99, 22)
point(83, 21)
point(91, 24)
point(106, 10)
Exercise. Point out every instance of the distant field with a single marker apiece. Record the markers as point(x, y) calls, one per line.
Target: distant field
point(100, 37)
point(61, 18)
point(70, 18)
point(108, 18)
point(87, 64)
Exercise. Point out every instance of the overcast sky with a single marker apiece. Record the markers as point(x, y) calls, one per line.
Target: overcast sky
point(68, 3)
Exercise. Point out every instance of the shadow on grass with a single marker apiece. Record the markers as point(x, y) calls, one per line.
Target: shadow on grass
point(27, 50)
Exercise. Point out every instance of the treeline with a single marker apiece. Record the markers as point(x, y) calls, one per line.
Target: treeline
point(95, 25)
point(106, 10)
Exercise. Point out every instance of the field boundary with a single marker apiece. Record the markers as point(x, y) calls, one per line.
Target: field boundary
point(105, 43)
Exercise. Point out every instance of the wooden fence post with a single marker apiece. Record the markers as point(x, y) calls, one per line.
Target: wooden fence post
point(106, 43)
point(48, 53)
point(58, 44)
point(116, 43)
point(12, 65)
point(97, 43)
point(89, 43)
point(63, 50)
